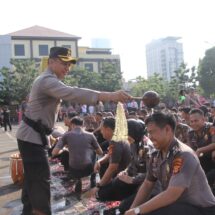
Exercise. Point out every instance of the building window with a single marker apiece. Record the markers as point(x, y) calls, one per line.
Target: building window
point(43, 50)
point(88, 67)
point(19, 50)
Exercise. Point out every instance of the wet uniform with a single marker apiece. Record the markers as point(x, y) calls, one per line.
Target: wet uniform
point(181, 168)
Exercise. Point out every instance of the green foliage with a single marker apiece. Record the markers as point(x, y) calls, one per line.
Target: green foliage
point(182, 79)
point(206, 72)
point(109, 79)
point(154, 82)
point(17, 82)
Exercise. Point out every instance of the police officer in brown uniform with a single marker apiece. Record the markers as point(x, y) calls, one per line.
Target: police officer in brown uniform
point(176, 166)
point(40, 116)
point(202, 139)
point(181, 130)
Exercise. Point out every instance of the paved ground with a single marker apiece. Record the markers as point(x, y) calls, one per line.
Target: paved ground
point(9, 193)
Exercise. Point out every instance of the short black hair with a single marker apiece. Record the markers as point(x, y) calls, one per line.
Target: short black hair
point(72, 114)
point(204, 109)
point(77, 121)
point(109, 122)
point(198, 111)
point(185, 109)
point(161, 119)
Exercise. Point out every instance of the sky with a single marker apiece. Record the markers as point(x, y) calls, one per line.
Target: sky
point(128, 24)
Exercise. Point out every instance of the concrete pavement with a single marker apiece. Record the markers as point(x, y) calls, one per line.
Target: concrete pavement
point(9, 193)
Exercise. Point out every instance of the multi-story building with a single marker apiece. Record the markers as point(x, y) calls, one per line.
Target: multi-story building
point(35, 43)
point(164, 56)
point(92, 59)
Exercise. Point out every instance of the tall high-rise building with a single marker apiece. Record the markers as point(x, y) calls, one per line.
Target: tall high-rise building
point(164, 56)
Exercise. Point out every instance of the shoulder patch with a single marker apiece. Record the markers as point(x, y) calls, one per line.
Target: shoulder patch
point(177, 164)
point(110, 149)
point(212, 130)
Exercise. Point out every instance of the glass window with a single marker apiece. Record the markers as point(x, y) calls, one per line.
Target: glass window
point(89, 67)
point(19, 50)
point(43, 50)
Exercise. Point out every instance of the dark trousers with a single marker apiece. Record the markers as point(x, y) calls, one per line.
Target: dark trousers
point(36, 188)
point(126, 203)
point(207, 163)
point(7, 123)
point(80, 173)
point(117, 190)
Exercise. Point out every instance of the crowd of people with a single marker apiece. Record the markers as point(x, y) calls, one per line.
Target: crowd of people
point(165, 164)
point(5, 120)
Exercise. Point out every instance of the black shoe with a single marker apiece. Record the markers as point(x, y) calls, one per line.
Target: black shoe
point(93, 180)
point(78, 186)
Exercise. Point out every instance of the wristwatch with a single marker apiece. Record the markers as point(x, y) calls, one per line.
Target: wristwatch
point(137, 211)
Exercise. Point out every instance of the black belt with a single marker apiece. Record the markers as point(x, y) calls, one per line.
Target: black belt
point(42, 129)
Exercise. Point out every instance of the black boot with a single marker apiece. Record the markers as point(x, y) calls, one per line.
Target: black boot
point(78, 186)
point(93, 180)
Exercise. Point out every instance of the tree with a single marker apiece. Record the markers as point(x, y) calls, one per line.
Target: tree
point(82, 78)
point(16, 83)
point(206, 72)
point(155, 83)
point(110, 77)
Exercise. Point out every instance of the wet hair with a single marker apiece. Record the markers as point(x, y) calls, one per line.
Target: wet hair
point(198, 111)
point(109, 122)
point(136, 129)
point(77, 121)
point(161, 119)
point(72, 114)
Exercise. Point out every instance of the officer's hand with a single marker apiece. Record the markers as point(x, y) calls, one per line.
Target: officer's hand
point(199, 152)
point(130, 212)
point(118, 96)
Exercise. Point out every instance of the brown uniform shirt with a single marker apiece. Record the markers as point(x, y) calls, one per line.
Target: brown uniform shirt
point(181, 168)
point(81, 145)
point(206, 137)
point(119, 153)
